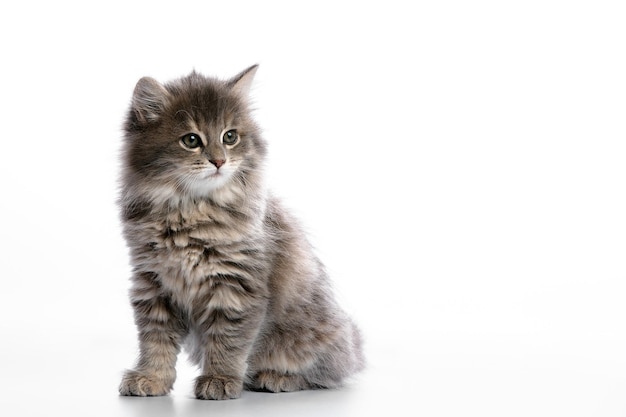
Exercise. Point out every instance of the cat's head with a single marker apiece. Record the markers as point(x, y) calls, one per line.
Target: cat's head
point(192, 136)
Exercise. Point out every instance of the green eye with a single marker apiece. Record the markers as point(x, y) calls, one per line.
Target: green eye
point(191, 141)
point(230, 137)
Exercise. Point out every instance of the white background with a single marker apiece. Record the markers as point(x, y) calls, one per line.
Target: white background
point(460, 167)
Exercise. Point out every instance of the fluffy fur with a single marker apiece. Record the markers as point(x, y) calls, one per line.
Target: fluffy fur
point(219, 267)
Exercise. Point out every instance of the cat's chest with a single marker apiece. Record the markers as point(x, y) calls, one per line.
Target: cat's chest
point(204, 264)
point(191, 255)
point(200, 256)
point(193, 274)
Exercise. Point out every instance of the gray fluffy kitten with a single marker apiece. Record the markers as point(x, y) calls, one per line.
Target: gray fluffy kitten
point(219, 267)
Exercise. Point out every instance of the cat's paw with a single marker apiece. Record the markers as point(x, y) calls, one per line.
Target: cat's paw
point(218, 387)
point(140, 384)
point(278, 382)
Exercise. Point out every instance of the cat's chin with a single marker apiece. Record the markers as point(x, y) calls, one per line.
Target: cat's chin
point(206, 186)
point(198, 188)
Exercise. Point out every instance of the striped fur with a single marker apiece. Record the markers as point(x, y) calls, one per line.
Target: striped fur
point(219, 267)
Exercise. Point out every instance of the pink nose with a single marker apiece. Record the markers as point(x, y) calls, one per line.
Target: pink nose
point(217, 162)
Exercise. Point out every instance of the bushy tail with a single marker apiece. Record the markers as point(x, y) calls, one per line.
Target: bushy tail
point(357, 348)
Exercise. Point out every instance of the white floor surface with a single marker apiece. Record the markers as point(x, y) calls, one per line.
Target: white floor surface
point(78, 376)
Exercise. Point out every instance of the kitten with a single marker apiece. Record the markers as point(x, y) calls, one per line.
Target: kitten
point(219, 267)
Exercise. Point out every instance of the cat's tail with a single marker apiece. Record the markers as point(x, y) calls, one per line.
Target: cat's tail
point(359, 362)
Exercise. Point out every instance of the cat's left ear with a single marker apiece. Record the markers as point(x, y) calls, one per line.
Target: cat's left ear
point(242, 82)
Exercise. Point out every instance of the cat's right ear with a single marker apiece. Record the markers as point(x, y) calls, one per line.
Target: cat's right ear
point(149, 100)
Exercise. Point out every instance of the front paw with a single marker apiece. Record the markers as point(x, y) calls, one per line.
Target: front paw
point(217, 387)
point(141, 384)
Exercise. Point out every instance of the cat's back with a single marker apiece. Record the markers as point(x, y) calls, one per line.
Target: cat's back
point(297, 275)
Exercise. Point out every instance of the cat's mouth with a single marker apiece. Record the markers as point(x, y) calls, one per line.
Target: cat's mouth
point(215, 174)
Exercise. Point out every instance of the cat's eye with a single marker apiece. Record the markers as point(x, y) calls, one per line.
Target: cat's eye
point(230, 137)
point(191, 140)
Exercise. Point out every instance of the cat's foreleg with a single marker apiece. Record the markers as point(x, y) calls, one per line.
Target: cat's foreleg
point(160, 337)
point(227, 343)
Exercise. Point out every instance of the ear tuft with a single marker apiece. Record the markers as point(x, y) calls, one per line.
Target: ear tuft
point(242, 82)
point(149, 100)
